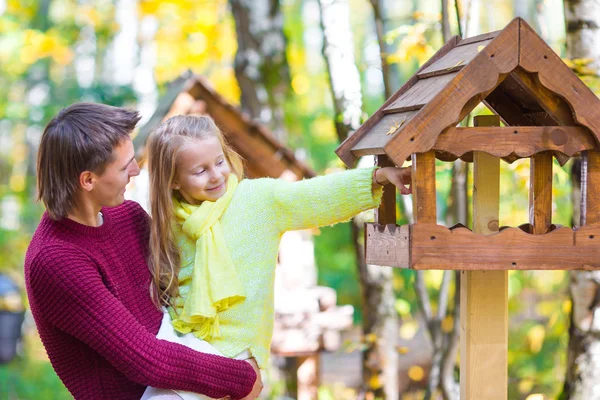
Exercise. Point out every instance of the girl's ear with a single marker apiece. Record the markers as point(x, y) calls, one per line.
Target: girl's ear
point(87, 181)
point(175, 186)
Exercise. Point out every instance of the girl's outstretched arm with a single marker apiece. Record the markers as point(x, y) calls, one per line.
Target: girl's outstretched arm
point(333, 198)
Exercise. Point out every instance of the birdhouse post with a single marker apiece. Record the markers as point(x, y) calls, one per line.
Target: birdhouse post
point(542, 111)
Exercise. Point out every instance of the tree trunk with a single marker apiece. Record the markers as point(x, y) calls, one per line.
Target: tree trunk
point(582, 20)
point(383, 47)
point(261, 66)
point(472, 22)
point(445, 21)
point(380, 359)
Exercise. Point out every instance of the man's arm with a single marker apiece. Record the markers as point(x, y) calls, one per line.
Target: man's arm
point(77, 302)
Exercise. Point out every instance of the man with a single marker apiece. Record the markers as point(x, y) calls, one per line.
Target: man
point(86, 273)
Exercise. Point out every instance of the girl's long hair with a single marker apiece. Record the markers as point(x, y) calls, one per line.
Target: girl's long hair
point(164, 148)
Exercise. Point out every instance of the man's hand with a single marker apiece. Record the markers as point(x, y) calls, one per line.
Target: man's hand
point(399, 177)
point(258, 385)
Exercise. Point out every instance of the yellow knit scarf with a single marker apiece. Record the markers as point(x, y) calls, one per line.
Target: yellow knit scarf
point(214, 286)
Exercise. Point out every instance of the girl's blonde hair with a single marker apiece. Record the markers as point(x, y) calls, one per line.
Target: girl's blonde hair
point(164, 148)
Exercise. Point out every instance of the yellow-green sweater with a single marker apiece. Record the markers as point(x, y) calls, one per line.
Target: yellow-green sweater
point(260, 211)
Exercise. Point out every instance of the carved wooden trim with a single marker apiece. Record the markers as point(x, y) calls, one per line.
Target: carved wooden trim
point(387, 245)
point(431, 246)
point(437, 247)
point(523, 141)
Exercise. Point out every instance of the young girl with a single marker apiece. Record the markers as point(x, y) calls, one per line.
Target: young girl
point(215, 236)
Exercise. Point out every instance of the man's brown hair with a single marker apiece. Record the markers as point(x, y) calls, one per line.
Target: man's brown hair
point(80, 138)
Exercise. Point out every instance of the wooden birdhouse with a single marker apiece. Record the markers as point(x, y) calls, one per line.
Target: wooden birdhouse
point(542, 110)
point(547, 111)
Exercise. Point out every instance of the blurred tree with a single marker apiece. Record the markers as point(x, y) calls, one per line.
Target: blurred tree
point(261, 66)
point(380, 319)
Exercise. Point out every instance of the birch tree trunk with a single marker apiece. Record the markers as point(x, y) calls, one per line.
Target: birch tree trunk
point(582, 20)
point(582, 381)
point(380, 359)
point(261, 66)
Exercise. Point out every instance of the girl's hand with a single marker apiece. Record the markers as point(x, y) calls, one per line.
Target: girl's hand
point(258, 384)
point(399, 177)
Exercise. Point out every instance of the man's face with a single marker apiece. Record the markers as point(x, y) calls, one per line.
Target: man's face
point(109, 188)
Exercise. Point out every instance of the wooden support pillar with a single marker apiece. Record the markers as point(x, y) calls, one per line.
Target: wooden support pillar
point(540, 193)
point(386, 212)
point(590, 188)
point(423, 187)
point(484, 294)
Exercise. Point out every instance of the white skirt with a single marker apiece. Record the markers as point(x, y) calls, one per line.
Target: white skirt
point(167, 332)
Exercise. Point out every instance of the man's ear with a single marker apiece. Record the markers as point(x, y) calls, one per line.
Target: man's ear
point(87, 181)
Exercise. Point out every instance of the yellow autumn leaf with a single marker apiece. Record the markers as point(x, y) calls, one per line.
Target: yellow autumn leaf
point(48, 45)
point(535, 338)
point(17, 183)
point(584, 70)
point(569, 63)
point(479, 48)
point(536, 396)
point(396, 58)
point(582, 61)
point(545, 308)
point(223, 80)
point(553, 319)
point(19, 7)
point(402, 349)
point(375, 382)
point(408, 330)
point(91, 15)
point(371, 338)
point(566, 306)
point(525, 385)
point(300, 84)
point(448, 324)
point(148, 7)
point(416, 373)
point(197, 44)
point(402, 307)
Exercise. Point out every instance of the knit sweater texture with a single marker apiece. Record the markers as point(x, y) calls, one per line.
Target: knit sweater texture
point(88, 290)
point(260, 211)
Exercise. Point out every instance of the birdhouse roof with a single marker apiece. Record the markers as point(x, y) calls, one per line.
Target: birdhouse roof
point(263, 155)
point(513, 72)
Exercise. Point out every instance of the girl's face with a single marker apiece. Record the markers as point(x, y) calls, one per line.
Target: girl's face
point(202, 171)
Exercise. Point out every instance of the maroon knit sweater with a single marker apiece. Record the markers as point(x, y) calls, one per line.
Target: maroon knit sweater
point(88, 289)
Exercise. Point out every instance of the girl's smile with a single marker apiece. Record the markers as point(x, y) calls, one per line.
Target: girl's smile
point(202, 171)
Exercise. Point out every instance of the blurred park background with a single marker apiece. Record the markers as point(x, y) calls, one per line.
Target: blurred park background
point(273, 59)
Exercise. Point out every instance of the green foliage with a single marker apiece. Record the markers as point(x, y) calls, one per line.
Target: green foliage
point(25, 379)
